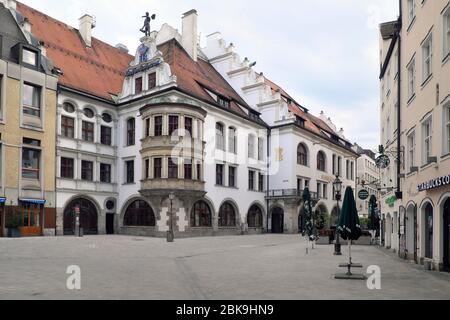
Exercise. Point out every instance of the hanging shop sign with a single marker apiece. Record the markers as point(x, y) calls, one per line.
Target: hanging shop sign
point(383, 161)
point(435, 183)
point(391, 201)
point(363, 194)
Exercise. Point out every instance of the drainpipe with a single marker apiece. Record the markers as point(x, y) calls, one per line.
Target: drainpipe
point(269, 134)
point(399, 96)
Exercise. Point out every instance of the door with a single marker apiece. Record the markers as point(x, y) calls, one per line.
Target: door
point(278, 221)
point(447, 236)
point(110, 223)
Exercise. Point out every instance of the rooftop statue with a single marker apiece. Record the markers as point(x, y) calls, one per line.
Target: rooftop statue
point(146, 28)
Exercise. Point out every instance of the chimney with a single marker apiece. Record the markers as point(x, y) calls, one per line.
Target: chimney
point(189, 36)
point(9, 4)
point(87, 23)
point(122, 47)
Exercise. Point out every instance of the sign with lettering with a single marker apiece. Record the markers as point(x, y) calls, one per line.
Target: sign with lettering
point(434, 183)
point(363, 194)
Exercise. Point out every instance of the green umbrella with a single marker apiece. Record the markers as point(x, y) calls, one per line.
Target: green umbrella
point(349, 226)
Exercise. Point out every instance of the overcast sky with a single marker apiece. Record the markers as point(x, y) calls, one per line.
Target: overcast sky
point(323, 52)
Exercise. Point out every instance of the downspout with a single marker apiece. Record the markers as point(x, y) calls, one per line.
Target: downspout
point(399, 96)
point(269, 134)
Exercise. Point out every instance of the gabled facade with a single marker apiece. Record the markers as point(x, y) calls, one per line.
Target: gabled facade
point(181, 136)
point(305, 151)
point(28, 87)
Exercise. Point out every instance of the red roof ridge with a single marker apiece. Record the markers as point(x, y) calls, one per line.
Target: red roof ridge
point(67, 26)
point(82, 57)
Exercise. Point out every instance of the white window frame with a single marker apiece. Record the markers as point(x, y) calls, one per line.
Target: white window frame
point(411, 78)
point(427, 140)
point(446, 32)
point(411, 11)
point(427, 57)
point(446, 117)
point(411, 150)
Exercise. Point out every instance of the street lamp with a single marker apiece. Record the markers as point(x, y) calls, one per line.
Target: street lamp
point(338, 188)
point(170, 234)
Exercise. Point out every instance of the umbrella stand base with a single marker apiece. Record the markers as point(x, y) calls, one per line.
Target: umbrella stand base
point(346, 276)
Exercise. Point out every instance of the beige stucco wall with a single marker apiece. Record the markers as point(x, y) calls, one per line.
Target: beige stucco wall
point(12, 135)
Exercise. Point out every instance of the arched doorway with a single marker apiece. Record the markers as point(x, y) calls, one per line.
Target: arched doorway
point(428, 230)
point(201, 216)
point(139, 214)
point(255, 217)
point(227, 216)
point(277, 220)
point(88, 217)
point(447, 235)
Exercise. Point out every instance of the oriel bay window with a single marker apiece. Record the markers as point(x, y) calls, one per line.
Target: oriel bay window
point(31, 100)
point(173, 124)
point(67, 168)
point(188, 126)
point(68, 127)
point(31, 163)
point(147, 169)
point(88, 131)
point(158, 126)
point(157, 168)
point(173, 168)
point(188, 169)
point(87, 170)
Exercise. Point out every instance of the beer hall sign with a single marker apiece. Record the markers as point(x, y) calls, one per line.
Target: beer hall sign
point(435, 183)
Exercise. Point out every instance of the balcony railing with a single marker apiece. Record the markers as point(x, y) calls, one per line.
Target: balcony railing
point(289, 193)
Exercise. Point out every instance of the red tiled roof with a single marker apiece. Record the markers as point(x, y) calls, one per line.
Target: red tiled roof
point(98, 70)
point(195, 77)
point(312, 123)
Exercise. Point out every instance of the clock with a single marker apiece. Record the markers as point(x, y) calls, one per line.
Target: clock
point(383, 161)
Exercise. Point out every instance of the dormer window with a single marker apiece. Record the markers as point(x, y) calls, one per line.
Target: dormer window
point(151, 81)
point(224, 102)
point(29, 57)
point(138, 85)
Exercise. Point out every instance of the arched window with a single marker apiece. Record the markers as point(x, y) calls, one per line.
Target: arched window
point(302, 155)
point(321, 162)
point(255, 217)
point(139, 214)
point(88, 113)
point(68, 107)
point(220, 136)
point(131, 131)
point(429, 231)
point(201, 215)
point(227, 215)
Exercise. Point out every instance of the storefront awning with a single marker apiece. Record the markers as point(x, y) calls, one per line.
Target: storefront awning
point(34, 201)
point(2, 200)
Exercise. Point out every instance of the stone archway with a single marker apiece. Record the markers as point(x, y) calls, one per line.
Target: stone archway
point(88, 217)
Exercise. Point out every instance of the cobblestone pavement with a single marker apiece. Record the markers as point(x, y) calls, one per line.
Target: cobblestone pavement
point(266, 267)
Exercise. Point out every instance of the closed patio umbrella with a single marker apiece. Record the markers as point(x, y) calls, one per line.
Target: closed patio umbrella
point(308, 226)
point(349, 226)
